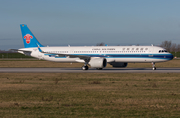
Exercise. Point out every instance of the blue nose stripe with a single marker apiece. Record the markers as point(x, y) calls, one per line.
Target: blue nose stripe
point(169, 57)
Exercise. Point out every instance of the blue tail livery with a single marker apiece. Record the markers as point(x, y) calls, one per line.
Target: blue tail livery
point(29, 39)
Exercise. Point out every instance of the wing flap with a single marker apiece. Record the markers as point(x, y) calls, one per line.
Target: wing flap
point(69, 55)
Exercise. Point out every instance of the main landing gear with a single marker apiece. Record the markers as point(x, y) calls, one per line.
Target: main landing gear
point(153, 66)
point(85, 67)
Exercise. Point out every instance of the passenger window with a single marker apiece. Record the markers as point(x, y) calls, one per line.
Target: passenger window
point(137, 48)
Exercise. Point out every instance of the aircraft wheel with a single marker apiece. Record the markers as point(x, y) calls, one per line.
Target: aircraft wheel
point(85, 67)
point(153, 65)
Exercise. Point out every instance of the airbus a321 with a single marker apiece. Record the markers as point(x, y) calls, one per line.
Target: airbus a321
point(93, 56)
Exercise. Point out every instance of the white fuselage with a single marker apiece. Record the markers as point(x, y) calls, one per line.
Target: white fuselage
point(128, 54)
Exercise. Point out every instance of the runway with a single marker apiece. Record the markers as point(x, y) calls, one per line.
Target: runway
point(91, 70)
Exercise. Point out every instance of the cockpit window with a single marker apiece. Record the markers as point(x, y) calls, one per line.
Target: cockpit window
point(160, 51)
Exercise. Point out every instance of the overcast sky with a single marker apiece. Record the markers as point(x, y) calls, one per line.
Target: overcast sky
point(88, 22)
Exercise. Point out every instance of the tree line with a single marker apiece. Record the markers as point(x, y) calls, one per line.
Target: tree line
point(170, 47)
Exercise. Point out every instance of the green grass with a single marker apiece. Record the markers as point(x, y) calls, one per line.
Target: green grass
point(13, 55)
point(89, 95)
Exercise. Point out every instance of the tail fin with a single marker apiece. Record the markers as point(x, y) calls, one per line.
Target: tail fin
point(28, 38)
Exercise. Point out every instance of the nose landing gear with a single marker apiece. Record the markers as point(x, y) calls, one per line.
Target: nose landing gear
point(153, 66)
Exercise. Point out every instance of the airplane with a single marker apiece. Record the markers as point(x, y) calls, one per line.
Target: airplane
point(93, 56)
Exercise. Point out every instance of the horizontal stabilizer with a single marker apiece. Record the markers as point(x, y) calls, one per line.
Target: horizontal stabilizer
point(20, 50)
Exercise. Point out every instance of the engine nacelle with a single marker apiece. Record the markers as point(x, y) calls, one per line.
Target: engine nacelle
point(118, 64)
point(98, 62)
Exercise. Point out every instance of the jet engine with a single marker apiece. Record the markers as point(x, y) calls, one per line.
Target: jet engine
point(98, 62)
point(118, 64)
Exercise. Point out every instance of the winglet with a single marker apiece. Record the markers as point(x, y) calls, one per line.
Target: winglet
point(40, 49)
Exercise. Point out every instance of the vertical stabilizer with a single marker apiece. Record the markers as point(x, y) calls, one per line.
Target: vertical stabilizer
point(28, 38)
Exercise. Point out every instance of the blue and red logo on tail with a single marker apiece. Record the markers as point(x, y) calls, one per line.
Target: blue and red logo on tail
point(28, 38)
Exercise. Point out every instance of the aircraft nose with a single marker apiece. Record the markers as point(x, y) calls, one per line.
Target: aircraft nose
point(171, 56)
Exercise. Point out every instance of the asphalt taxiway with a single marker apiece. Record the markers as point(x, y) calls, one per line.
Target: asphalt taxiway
point(91, 70)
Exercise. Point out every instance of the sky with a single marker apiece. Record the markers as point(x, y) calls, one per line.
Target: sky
point(88, 22)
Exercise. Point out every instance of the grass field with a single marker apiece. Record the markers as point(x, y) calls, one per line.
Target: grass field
point(89, 95)
point(39, 63)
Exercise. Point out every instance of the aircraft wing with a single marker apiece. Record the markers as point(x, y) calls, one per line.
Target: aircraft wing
point(68, 55)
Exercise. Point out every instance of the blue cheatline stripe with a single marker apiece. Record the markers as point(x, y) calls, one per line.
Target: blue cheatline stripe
point(54, 55)
point(50, 54)
point(147, 56)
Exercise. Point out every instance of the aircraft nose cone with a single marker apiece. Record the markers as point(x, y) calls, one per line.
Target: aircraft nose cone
point(171, 56)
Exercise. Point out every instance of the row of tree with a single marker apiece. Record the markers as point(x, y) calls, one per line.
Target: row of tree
point(168, 45)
